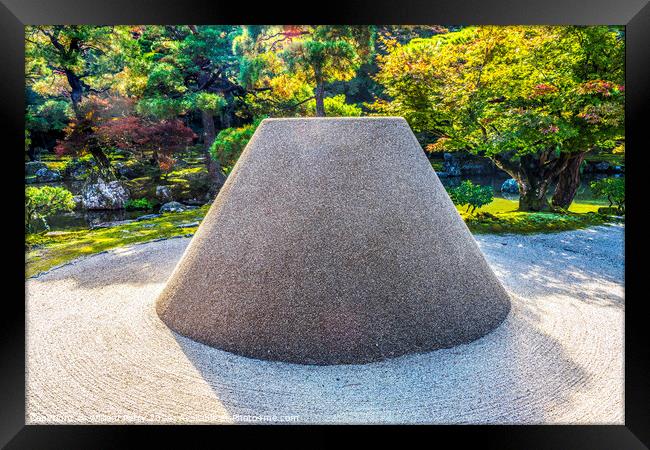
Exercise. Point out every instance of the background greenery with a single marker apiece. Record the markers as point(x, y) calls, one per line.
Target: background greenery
point(129, 130)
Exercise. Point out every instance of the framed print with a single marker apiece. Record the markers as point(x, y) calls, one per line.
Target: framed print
point(377, 214)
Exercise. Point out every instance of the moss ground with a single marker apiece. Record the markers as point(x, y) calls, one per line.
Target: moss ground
point(501, 216)
point(49, 250)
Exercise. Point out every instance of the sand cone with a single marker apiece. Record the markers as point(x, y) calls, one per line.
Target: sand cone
point(333, 241)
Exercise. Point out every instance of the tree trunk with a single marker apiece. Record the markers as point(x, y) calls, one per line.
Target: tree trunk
point(227, 112)
point(534, 200)
point(217, 178)
point(76, 90)
point(568, 181)
point(209, 132)
point(532, 194)
point(103, 163)
point(533, 175)
point(319, 94)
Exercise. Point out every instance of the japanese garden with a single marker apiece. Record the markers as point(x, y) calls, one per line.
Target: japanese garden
point(324, 224)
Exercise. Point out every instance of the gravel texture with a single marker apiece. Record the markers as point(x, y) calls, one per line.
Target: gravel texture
point(98, 353)
point(333, 241)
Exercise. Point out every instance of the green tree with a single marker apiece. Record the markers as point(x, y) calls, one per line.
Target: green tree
point(336, 106)
point(230, 142)
point(184, 69)
point(70, 62)
point(472, 195)
point(613, 189)
point(522, 96)
point(43, 202)
point(272, 89)
point(593, 60)
point(323, 54)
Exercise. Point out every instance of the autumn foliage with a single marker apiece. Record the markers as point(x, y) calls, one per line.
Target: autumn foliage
point(111, 123)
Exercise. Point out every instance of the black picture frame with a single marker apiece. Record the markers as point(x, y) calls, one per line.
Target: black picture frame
point(634, 14)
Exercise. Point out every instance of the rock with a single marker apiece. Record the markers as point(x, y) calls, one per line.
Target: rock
point(451, 165)
point(130, 169)
point(78, 169)
point(78, 202)
point(45, 175)
point(610, 211)
point(32, 167)
point(141, 188)
point(148, 217)
point(173, 207)
point(601, 167)
point(163, 193)
point(57, 233)
point(510, 186)
point(462, 164)
point(188, 225)
point(112, 224)
point(477, 166)
point(195, 201)
point(104, 195)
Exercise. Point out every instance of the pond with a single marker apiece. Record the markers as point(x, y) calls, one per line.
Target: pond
point(78, 220)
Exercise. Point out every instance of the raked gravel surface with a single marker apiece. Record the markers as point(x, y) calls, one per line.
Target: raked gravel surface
point(98, 353)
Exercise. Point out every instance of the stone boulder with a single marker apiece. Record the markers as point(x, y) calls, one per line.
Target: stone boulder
point(601, 167)
point(477, 166)
point(78, 202)
point(104, 195)
point(32, 167)
point(611, 211)
point(111, 224)
point(456, 164)
point(46, 175)
point(188, 225)
point(451, 165)
point(173, 207)
point(37, 172)
point(163, 193)
point(130, 169)
point(148, 217)
point(78, 169)
point(510, 186)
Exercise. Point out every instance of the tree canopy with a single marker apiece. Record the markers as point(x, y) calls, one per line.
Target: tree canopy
point(534, 99)
point(527, 97)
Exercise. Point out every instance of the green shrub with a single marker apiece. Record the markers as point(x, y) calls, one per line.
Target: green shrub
point(472, 195)
point(336, 107)
point(613, 189)
point(43, 202)
point(530, 222)
point(139, 204)
point(230, 142)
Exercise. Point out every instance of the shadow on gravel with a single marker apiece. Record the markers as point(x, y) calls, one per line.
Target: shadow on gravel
point(585, 264)
point(516, 374)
